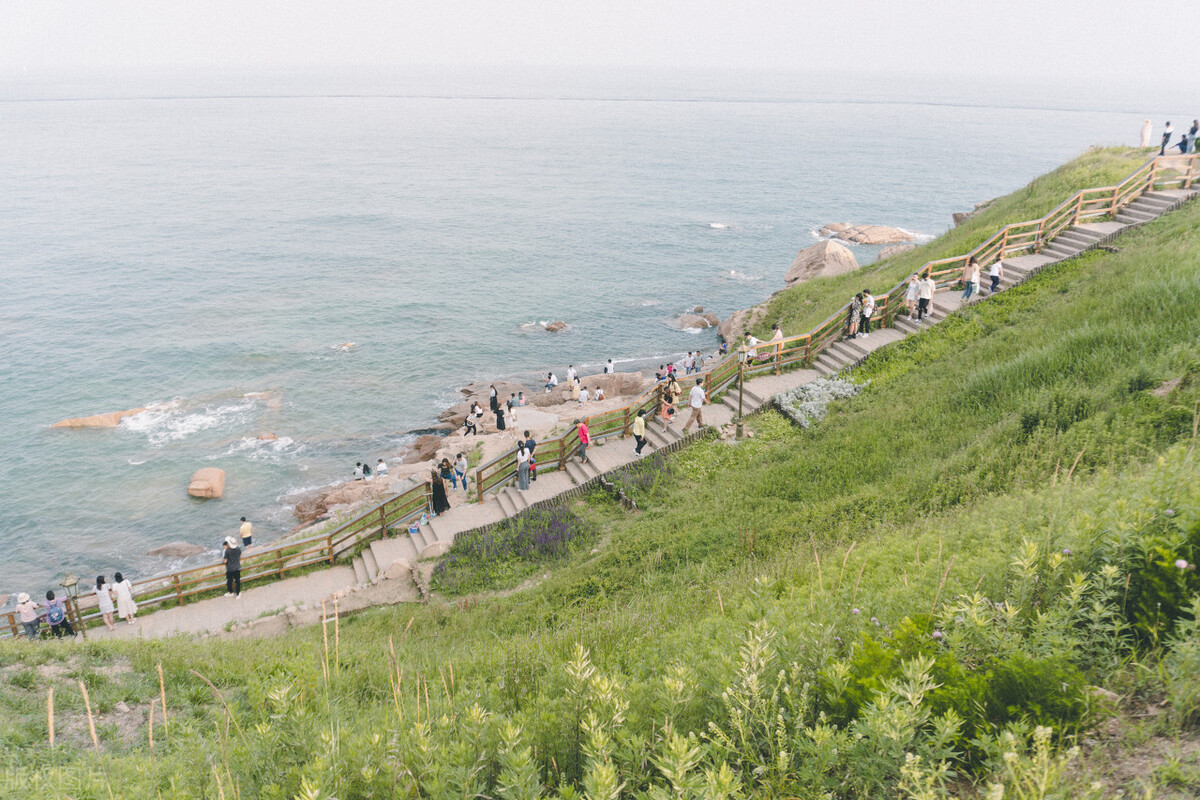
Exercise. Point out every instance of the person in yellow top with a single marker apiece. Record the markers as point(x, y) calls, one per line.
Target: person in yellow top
point(247, 533)
point(638, 429)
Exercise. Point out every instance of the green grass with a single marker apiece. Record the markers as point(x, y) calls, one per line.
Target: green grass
point(801, 308)
point(1015, 453)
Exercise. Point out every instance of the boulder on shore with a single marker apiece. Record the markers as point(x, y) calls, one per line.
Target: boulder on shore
point(176, 550)
point(109, 420)
point(733, 329)
point(556, 326)
point(820, 261)
point(423, 449)
point(698, 321)
point(316, 505)
point(888, 252)
point(207, 482)
point(866, 234)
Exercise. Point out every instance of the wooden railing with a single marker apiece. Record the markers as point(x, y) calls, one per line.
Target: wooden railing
point(1163, 172)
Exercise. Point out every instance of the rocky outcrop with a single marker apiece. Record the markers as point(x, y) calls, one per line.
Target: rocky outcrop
point(423, 449)
point(176, 550)
point(734, 328)
point(109, 420)
point(698, 321)
point(479, 392)
point(820, 261)
point(316, 505)
point(962, 216)
point(866, 234)
point(267, 437)
point(888, 252)
point(207, 482)
point(556, 326)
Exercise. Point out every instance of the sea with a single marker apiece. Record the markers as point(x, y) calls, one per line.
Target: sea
point(329, 257)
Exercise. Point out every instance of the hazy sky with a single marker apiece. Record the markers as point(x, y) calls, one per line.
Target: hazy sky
point(1094, 40)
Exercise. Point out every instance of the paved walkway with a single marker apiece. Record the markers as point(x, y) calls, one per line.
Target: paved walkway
point(434, 539)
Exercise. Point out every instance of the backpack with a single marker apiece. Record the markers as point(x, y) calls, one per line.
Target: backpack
point(55, 615)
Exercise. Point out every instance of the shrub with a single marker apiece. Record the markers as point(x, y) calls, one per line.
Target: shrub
point(809, 403)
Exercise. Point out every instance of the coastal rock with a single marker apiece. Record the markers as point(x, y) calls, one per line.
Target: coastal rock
point(554, 327)
point(267, 437)
point(866, 234)
point(734, 328)
point(698, 310)
point(316, 505)
point(208, 482)
point(888, 252)
point(176, 550)
point(109, 420)
point(820, 261)
point(423, 449)
point(618, 384)
point(962, 216)
point(479, 392)
point(698, 321)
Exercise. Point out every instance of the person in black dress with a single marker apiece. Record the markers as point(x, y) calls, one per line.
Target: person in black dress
point(440, 503)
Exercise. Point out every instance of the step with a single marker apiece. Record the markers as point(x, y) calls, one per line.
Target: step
point(1133, 219)
point(906, 326)
point(844, 352)
point(1074, 240)
point(518, 498)
point(1136, 213)
point(388, 550)
point(506, 503)
point(826, 365)
point(1148, 208)
point(858, 347)
point(575, 473)
point(437, 527)
point(368, 557)
point(360, 570)
point(1159, 201)
point(1086, 233)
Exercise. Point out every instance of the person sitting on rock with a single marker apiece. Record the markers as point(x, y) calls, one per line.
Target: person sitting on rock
point(358, 471)
point(551, 381)
point(599, 393)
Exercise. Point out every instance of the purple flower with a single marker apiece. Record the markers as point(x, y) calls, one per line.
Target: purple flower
point(1181, 563)
point(1170, 512)
point(875, 621)
point(1066, 551)
point(937, 634)
point(837, 639)
point(855, 611)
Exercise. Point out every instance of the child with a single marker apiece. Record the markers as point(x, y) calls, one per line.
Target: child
point(27, 611)
point(56, 617)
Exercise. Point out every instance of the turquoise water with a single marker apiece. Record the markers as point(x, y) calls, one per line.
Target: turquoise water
point(209, 255)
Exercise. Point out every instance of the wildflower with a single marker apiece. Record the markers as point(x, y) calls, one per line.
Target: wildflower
point(837, 639)
point(855, 611)
point(1181, 563)
point(1067, 551)
point(937, 634)
point(875, 621)
point(1170, 512)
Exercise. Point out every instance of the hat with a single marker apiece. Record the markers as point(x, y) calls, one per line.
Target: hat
point(23, 598)
point(229, 540)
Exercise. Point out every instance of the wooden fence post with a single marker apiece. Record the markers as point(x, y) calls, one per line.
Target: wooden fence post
point(1078, 208)
point(12, 623)
point(1191, 173)
point(329, 544)
point(279, 561)
point(382, 523)
point(178, 589)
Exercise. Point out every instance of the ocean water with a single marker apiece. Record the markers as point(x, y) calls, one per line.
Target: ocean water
point(209, 250)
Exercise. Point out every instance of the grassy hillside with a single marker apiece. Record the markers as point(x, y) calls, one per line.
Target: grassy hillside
point(802, 307)
point(913, 598)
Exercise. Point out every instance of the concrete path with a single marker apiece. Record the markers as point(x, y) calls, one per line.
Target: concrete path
point(434, 539)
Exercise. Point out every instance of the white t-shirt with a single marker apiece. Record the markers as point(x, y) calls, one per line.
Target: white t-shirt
point(571, 374)
point(381, 467)
point(608, 368)
point(996, 267)
point(522, 456)
point(583, 396)
point(868, 305)
point(928, 287)
point(696, 396)
point(553, 380)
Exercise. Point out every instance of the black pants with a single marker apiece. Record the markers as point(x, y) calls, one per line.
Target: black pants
point(62, 627)
point(1162, 151)
point(922, 308)
point(233, 578)
point(641, 442)
point(866, 323)
point(995, 282)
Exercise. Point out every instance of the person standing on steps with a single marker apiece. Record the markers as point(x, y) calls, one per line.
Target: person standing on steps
point(522, 467)
point(925, 296)
point(638, 429)
point(437, 491)
point(460, 469)
point(970, 278)
point(1166, 139)
point(123, 590)
point(996, 273)
point(584, 439)
point(697, 397)
point(855, 317)
point(232, 556)
point(27, 612)
point(532, 446)
point(104, 602)
point(868, 303)
point(247, 534)
point(910, 296)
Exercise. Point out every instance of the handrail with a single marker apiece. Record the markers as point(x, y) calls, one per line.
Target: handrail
point(1015, 237)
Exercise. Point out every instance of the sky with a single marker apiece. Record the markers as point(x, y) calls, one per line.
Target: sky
point(1097, 40)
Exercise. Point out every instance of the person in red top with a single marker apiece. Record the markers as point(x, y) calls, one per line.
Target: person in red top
point(584, 439)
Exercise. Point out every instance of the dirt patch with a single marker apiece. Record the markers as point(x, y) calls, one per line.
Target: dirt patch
point(1130, 753)
point(127, 722)
point(1166, 387)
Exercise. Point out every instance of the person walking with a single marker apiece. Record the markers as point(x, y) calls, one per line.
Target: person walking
point(970, 278)
point(446, 470)
point(247, 534)
point(104, 602)
point(1147, 133)
point(925, 296)
point(996, 273)
point(697, 397)
point(460, 469)
point(531, 446)
point(522, 467)
point(56, 616)
point(232, 556)
point(638, 429)
point(27, 612)
point(855, 316)
point(381, 468)
point(1166, 138)
point(867, 310)
point(439, 501)
point(469, 426)
point(584, 439)
point(123, 591)
point(666, 407)
point(911, 295)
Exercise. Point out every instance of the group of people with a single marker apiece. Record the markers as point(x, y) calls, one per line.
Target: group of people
point(456, 473)
point(862, 308)
point(231, 555)
point(364, 472)
point(1186, 143)
point(54, 612)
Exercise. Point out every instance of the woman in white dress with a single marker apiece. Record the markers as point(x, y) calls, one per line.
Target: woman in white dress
point(1147, 132)
point(123, 591)
point(910, 297)
point(104, 602)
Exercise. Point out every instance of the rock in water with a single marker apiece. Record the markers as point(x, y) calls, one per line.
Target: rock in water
point(208, 482)
point(109, 420)
point(176, 550)
point(267, 437)
point(866, 234)
point(888, 252)
point(698, 321)
point(556, 326)
point(820, 261)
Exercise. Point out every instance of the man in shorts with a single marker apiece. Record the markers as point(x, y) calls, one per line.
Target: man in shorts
point(697, 397)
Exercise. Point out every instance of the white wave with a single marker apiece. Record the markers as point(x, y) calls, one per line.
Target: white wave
point(645, 302)
point(169, 421)
point(256, 449)
point(133, 463)
point(718, 225)
point(735, 275)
